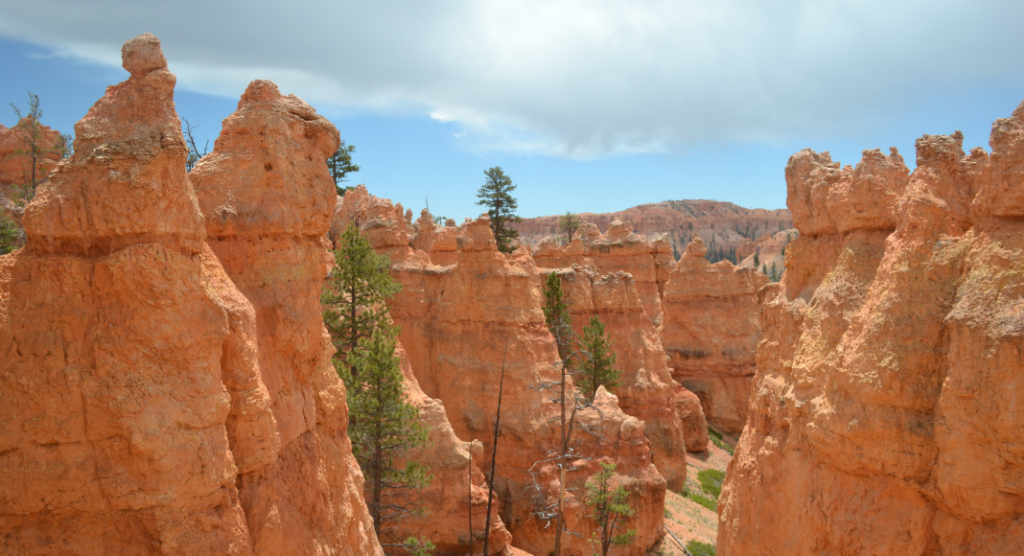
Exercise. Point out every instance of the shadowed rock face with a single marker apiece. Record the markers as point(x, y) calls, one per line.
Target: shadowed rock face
point(885, 415)
point(140, 390)
point(457, 322)
point(710, 333)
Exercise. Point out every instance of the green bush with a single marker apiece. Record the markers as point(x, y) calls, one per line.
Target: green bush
point(717, 440)
point(698, 548)
point(711, 481)
point(703, 501)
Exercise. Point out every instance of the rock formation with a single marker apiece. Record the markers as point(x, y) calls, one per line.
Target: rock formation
point(885, 416)
point(646, 390)
point(147, 404)
point(710, 332)
point(770, 251)
point(457, 323)
point(16, 163)
point(724, 225)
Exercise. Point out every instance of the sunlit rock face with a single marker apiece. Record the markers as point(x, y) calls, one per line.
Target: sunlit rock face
point(461, 324)
point(710, 333)
point(146, 404)
point(886, 412)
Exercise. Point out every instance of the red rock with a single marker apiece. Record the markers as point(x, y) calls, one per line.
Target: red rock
point(268, 199)
point(695, 426)
point(710, 333)
point(724, 224)
point(888, 370)
point(15, 165)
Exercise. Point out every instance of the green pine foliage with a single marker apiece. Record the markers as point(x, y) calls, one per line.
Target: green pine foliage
point(556, 315)
point(340, 165)
point(382, 424)
point(356, 290)
point(568, 225)
point(496, 195)
point(609, 509)
point(596, 369)
point(9, 234)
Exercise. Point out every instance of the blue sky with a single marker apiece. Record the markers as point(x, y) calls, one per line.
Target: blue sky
point(588, 106)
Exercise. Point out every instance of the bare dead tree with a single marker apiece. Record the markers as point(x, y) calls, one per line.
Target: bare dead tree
point(494, 456)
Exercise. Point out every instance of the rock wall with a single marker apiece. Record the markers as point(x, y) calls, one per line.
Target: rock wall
point(646, 390)
point(147, 404)
point(710, 333)
point(457, 322)
point(885, 416)
point(724, 224)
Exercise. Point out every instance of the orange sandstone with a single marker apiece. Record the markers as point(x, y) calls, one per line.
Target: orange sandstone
point(885, 410)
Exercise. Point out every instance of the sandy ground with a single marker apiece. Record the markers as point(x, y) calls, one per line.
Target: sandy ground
point(686, 519)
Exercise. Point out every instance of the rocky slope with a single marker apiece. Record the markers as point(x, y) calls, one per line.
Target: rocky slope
point(710, 333)
point(724, 226)
point(885, 416)
point(461, 324)
point(156, 399)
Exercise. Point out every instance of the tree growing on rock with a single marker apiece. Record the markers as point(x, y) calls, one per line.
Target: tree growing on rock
point(596, 368)
point(569, 224)
point(32, 135)
point(609, 508)
point(340, 164)
point(382, 425)
point(496, 195)
point(356, 290)
point(194, 154)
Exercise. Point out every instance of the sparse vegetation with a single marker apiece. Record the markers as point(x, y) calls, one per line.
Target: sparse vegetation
point(697, 548)
point(30, 133)
point(596, 369)
point(496, 195)
point(608, 507)
point(9, 233)
point(711, 481)
point(568, 225)
point(717, 440)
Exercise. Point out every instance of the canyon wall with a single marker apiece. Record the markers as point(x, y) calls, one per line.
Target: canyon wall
point(461, 325)
point(710, 333)
point(886, 410)
point(148, 405)
point(723, 225)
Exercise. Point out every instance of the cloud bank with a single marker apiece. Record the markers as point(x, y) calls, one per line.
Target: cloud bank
point(569, 78)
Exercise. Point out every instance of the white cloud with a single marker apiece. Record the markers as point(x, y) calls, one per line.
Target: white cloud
point(574, 78)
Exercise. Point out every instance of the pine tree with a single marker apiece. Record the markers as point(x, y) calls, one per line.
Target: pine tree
point(30, 133)
point(757, 260)
point(568, 225)
point(556, 315)
point(340, 165)
point(356, 290)
point(608, 509)
point(495, 194)
point(382, 424)
point(9, 233)
point(596, 369)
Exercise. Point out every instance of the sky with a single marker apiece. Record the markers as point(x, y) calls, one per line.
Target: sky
point(588, 105)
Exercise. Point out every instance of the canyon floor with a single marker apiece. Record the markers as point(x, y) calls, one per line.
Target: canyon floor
point(684, 517)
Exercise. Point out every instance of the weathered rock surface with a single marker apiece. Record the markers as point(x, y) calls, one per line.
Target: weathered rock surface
point(16, 163)
point(710, 332)
point(724, 225)
point(457, 322)
point(886, 411)
point(646, 390)
point(267, 199)
point(136, 405)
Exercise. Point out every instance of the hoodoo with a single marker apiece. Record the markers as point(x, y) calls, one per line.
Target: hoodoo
point(145, 402)
point(885, 416)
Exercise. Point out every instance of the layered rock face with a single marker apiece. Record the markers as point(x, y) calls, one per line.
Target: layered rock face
point(710, 333)
point(460, 325)
point(724, 225)
point(885, 416)
point(646, 390)
point(268, 200)
point(141, 394)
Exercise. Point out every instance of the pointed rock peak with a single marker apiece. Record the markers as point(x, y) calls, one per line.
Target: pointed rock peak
point(695, 248)
point(940, 150)
point(260, 90)
point(619, 229)
point(476, 235)
point(142, 55)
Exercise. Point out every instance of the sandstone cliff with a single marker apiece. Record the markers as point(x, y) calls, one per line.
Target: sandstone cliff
point(710, 332)
point(457, 323)
point(147, 404)
point(885, 416)
point(724, 225)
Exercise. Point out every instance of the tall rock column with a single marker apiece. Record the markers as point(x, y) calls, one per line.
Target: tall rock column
point(113, 413)
point(268, 198)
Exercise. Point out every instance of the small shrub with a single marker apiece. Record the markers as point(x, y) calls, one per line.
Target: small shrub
point(703, 501)
point(711, 481)
point(668, 515)
point(698, 548)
